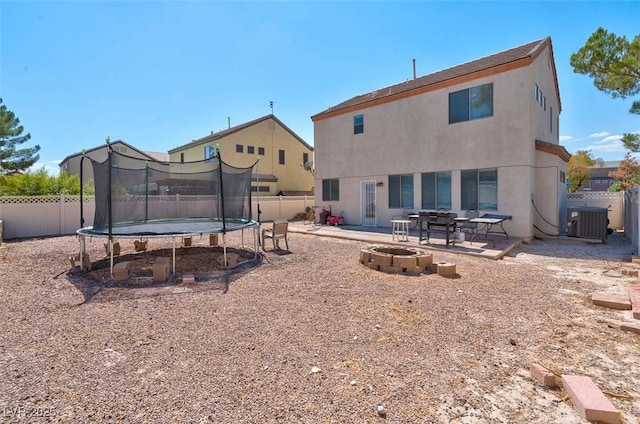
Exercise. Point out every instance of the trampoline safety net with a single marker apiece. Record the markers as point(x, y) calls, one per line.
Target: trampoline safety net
point(132, 190)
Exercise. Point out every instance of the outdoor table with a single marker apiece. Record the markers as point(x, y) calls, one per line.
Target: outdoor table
point(414, 218)
point(492, 224)
point(400, 229)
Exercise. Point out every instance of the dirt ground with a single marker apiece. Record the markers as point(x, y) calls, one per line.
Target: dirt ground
point(310, 335)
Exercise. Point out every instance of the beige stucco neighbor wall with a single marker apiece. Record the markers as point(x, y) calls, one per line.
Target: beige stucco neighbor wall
point(413, 135)
point(72, 165)
point(271, 136)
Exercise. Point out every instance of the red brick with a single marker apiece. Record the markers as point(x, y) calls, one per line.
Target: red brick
point(543, 375)
point(634, 292)
point(590, 402)
point(634, 295)
point(634, 328)
point(612, 301)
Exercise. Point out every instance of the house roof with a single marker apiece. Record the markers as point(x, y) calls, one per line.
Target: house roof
point(600, 173)
point(221, 134)
point(156, 156)
point(497, 63)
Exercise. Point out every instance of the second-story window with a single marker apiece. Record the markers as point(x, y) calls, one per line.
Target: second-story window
point(305, 158)
point(471, 103)
point(250, 149)
point(358, 124)
point(209, 152)
point(261, 151)
point(239, 148)
point(281, 157)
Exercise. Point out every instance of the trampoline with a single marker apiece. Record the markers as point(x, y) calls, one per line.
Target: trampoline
point(140, 198)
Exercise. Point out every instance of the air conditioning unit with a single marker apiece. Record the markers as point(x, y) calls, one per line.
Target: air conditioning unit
point(588, 222)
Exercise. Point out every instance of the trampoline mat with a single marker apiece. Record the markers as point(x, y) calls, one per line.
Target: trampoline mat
point(167, 228)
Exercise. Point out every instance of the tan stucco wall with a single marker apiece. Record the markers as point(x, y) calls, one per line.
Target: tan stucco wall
point(550, 196)
point(413, 135)
point(272, 137)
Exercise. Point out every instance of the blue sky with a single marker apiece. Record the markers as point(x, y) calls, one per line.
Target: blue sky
point(158, 74)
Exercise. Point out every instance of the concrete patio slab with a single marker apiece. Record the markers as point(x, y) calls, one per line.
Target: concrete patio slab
point(495, 247)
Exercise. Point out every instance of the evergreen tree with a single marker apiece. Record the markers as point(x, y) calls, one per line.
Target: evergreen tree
point(614, 64)
point(12, 158)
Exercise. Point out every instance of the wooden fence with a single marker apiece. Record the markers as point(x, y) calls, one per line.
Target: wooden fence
point(38, 216)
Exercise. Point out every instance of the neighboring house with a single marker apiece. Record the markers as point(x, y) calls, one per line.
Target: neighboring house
point(599, 180)
point(281, 152)
point(481, 135)
point(71, 164)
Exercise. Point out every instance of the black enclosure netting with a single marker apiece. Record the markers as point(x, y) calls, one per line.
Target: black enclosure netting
point(132, 190)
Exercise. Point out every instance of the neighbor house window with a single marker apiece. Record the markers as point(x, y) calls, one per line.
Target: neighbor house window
point(261, 151)
point(281, 157)
point(401, 191)
point(358, 124)
point(436, 190)
point(479, 189)
point(239, 148)
point(305, 158)
point(331, 190)
point(537, 91)
point(209, 152)
point(550, 119)
point(260, 188)
point(181, 157)
point(250, 149)
point(471, 103)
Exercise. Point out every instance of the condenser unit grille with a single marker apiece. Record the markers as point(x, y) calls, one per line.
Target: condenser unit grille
point(590, 222)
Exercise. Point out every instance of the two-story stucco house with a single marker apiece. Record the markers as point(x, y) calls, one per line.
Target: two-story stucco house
point(482, 135)
point(281, 152)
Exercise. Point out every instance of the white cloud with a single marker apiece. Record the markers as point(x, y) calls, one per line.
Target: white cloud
point(600, 134)
point(612, 143)
point(565, 138)
point(610, 139)
point(51, 167)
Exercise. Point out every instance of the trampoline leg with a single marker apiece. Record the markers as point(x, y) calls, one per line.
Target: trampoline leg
point(174, 255)
point(111, 257)
point(81, 253)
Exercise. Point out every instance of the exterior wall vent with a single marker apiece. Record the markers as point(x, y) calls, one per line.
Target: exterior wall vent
point(588, 222)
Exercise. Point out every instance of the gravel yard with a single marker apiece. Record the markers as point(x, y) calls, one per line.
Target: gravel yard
point(310, 336)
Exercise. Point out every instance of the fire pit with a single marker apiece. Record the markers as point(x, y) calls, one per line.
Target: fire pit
point(396, 260)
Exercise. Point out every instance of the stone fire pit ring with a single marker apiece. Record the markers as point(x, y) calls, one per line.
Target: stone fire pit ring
point(396, 260)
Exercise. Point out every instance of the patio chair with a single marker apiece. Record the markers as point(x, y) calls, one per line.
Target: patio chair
point(407, 215)
point(277, 232)
point(469, 227)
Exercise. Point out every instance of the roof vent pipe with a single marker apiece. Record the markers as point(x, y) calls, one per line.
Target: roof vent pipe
point(228, 121)
point(414, 69)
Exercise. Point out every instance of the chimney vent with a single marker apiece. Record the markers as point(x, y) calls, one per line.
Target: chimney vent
point(414, 69)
